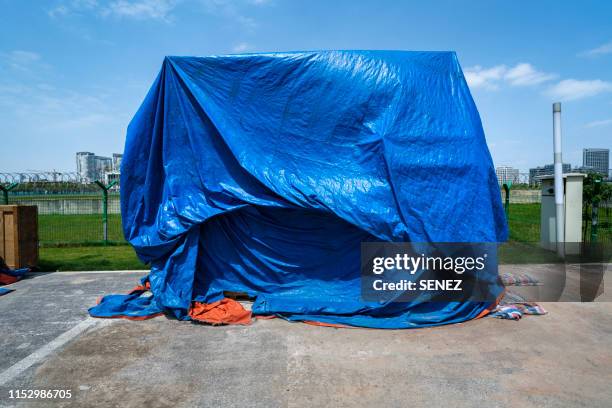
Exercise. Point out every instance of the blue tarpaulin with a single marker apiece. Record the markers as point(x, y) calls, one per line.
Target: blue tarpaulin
point(4, 291)
point(263, 173)
point(8, 276)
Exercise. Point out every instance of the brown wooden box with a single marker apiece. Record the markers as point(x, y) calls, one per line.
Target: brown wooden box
point(19, 235)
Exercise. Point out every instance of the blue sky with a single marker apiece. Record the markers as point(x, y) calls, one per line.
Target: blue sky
point(73, 72)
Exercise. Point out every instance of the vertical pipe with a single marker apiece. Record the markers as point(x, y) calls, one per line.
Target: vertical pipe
point(507, 201)
point(560, 222)
point(105, 215)
point(595, 209)
point(594, 220)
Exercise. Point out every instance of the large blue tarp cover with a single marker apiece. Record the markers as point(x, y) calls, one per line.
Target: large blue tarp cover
point(263, 173)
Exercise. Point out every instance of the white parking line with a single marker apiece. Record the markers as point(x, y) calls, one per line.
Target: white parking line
point(16, 369)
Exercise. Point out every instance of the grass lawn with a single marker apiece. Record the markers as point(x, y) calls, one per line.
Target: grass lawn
point(513, 252)
point(90, 258)
point(524, 222)
point(65, 230)
point(59, 229)
point(122, 257)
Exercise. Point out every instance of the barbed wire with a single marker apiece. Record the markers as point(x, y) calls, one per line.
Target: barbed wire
point(41, 176)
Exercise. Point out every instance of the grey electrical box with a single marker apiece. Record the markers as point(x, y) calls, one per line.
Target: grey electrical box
point(572, 204)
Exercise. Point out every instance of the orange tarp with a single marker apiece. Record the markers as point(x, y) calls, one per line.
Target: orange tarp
point(224, 311)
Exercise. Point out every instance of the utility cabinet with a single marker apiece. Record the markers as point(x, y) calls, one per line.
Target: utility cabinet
point(19, 235)
point(572, 204)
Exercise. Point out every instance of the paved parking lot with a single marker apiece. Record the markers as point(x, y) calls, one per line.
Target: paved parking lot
point(563, 359)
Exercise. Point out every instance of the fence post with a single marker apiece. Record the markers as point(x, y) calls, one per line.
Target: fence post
point(105, 208)
point(595, 209)
point(5, 191)
point(507, 200)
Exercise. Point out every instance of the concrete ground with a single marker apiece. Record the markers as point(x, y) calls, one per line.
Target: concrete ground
point(563, 359)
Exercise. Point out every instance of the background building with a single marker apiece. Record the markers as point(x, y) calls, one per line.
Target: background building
point(111, 176)
point(117, 157)
point(596, 159)
point(91, 167)
point(85, 166)
point(507, 175)
point(546, 170)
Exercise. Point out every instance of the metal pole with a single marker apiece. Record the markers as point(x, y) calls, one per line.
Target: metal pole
point(595, 209)
point(560, 222)
point(105, 208)
point(594, 220)
point(105, 215)
point(507, 200)
point(5, 191)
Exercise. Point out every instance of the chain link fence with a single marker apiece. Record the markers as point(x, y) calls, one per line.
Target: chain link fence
point(523, 211)
point(602, 232)
point(72, 214)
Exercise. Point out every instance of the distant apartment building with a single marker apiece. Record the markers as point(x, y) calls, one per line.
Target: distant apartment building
point(91, 167)
point(85, 166)
point(596, 159)
point(583, 169)
point(111, 176)
point(507, 175)
point(547, 170)
point(117, 157)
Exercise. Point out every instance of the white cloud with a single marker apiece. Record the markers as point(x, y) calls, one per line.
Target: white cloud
point(478, 77)
point(39, 108)
point(71, 7)
point(599, 123)
point(59, 11)
point(525, 74)
point(522, 74)
point(230, 10)
point(26, 96)
point(572, 89)
point(141, 9)
point(19, 58)
point(135, 9)
point(601, 50)
point(25, 62)
point(241, 47)
point(160, 10)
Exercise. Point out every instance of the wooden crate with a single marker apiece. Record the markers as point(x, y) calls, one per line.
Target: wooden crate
point(19, 235)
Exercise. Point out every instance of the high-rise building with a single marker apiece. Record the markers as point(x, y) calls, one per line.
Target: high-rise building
point(117, 157)
point(111, 176)
point(103, 165)
point(85, 166)
point(597, 159)
point(507, 175)
point(91, 167)
point(546, 170)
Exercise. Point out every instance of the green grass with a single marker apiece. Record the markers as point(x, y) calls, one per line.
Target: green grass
point(92, 258)
point(72, 242)
point(122, 257)
point(524, 222)
point(514, 252)
point(59, 229)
